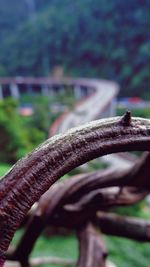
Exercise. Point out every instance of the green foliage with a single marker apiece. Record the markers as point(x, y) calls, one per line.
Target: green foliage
point(39, 122)
point(59, 246)
point(18, 135)
point(13, 139)
point(138, 210)
point(96, 165)
point(64, 247)
point(122, 251)
point(4, 168)
point(43, 114)
point(88, 37)
point(127, 253)
point(12, 13)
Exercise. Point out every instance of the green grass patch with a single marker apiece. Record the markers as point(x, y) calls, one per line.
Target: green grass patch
point(123, 252)
point(127, 253)
point(4, 168)
point(57, 246)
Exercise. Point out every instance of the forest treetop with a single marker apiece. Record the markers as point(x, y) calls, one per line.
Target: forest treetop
point(91, 38)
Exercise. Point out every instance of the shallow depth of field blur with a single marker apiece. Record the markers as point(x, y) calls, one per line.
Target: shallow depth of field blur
point(63, 38)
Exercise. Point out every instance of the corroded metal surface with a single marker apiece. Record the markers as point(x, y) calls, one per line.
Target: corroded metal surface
point(34, 174)
point(75, 202)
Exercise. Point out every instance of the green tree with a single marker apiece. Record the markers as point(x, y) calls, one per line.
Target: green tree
point(14, 142)
point(92, 38)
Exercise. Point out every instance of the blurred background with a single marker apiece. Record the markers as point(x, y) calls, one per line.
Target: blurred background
point(43, 43)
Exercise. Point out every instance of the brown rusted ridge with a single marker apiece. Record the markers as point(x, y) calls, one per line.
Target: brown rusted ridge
point(74, 202)
point(91, 246)
point(34, 174)
point(126, 119)
point(124, 226)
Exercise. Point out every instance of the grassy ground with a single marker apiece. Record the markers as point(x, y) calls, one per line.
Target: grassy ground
point(63, 247)
point(127, 253)
point(123, 252)
point(4, 168)
point(56, 246)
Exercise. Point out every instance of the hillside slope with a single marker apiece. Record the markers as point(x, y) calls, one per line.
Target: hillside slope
point(91, 38)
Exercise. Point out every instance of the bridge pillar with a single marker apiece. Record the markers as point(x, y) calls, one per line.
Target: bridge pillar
point(78, 92)
point(29, 89)
point(62, 90)
point(45, 90)
point(112, 109)
point(1, 92)
point(51, 91)
point(14, 90)
point(89, 90)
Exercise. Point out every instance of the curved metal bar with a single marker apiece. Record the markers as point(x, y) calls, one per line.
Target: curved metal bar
point(77, 200)
point(35, 173)
point(92, 249)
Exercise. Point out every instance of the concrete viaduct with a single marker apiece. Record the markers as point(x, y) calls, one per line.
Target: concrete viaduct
point(101, 94)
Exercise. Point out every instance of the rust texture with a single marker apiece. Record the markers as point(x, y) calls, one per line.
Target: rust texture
point(92, 249)
point(126, 119)
point(35, 173)
point(74, 202)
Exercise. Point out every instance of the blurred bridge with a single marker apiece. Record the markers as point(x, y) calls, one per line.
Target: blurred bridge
point(100, 93)
point(94, 99)
point(98, 96)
